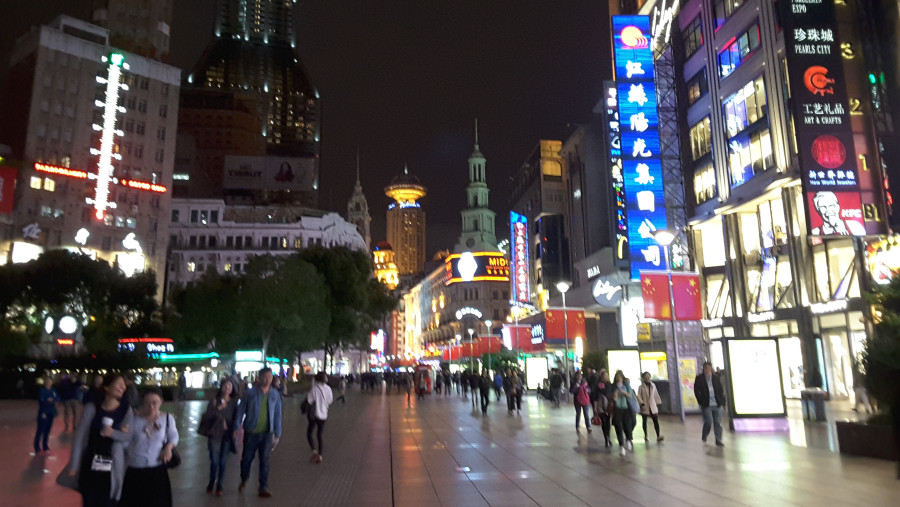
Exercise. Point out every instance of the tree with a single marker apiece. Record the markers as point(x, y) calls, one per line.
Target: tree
point(355, 300)
point(206, 313)
point(881, 354)
point(283, 303)
point(501, 361)
point(595, 360)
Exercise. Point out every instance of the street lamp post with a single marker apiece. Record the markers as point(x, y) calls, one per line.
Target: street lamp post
point(490, 332)
point(563, 287)
point(471, 355)
point(664, 239)
point(458, 339)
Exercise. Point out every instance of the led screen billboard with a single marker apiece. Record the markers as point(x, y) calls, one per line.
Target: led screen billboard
point(639, 141)
point(476, 267)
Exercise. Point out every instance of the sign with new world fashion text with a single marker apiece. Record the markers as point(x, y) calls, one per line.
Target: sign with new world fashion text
point(639, 126)
point(520, 277)
point(828, 163)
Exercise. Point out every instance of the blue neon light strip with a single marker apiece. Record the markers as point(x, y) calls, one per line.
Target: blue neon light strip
point(639, 124)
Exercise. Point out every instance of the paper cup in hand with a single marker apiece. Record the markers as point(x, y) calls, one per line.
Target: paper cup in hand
point(106, 421)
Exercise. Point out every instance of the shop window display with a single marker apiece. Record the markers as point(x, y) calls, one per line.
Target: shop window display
point(834, 269)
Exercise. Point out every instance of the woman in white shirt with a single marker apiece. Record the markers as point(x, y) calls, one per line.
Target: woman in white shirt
point(319, 398)
point(153, 437)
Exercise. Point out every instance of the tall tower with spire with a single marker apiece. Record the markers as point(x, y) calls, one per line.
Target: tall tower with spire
point(358, 210)
point(478, 233)
point(406, 223)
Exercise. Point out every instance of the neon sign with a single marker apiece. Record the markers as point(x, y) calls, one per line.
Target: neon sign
point(108, 130)
point(645, 203)
point(614, 144)
point(476, 267)
point(76, 173)
point(521, 283)
point(468, 310)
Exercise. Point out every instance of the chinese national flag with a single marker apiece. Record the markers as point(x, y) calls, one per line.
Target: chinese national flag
point(686, 292)
point(655, 290)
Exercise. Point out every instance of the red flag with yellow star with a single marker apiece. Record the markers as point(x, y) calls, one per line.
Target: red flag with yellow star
point(686, 293)
point(655, 290)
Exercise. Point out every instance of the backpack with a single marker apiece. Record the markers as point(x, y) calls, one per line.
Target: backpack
point(583, 398)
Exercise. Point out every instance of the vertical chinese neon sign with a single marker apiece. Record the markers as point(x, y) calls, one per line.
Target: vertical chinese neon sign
point(108, 131)
point(639, 127)
point(614, 144)
point(521, 282)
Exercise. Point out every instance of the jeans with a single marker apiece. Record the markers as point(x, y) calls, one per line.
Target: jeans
point(485, 399)
point(254, 443)
point(44, 424)
point(315, 422)
point(622, 421)
point(579, 409)
point(218, 455)
point(712, 416)
point(511, 401)
point(655, 418)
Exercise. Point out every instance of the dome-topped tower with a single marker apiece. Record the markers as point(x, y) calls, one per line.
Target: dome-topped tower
point(406, 222)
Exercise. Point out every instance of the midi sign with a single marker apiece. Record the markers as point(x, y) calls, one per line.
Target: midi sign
point(828, 163)
point(639, 137)
point(521, 283)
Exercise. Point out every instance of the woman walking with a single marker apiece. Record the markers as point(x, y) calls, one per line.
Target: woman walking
point(648, 397)
point(98, 450)
point(319, 399)
point(153, 437)
point(582, 395)
point(221, 410)
point(622, 418)
point(47, 400)
point(601, 405)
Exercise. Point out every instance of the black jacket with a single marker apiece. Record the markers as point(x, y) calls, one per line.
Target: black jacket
point(701, 390)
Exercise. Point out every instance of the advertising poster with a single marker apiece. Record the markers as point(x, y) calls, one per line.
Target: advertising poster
point(521, 283)
point(687, 373)
point(269, 173)
point(639, 141)
point(828, 163)
point(755, 377)
point(476, 267)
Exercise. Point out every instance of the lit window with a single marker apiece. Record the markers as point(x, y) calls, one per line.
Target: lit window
point(704, 182)
point(738, 50)
point(227, 267)
point(701, 141)
point(693, 38)
point(49, 185)
point(35, 182)
point(131, 223)
point(191, 267)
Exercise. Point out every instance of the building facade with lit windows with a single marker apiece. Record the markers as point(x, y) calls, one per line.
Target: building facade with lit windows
point(59, 90)
point(784, 123)
point(207, 233)
point(253, 56)
point(406, 223)
point(385, 267)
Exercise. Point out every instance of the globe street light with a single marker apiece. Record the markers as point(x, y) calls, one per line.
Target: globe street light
point(490, 332)
point(563, 287)
point(471, 357)
point(665, 238)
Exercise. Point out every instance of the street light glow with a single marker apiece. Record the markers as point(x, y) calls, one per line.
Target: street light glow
point(663, 237)
point(563, 286)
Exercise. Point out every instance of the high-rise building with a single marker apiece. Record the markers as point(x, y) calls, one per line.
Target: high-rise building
point(358, 210)
point(92, 177)
point(478, 219)
point(137, 26)
point(253, 54)
point(406, 222)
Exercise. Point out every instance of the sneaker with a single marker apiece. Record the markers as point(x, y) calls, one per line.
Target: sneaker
point(622, 451)
point(318, 458)
point(265, 493)
point(660, 438)
point(719, 443)
point(241, 487)
point(629, 445)
point(219, 492)
point(590, 430)
point(312, 459)
point(209, 488)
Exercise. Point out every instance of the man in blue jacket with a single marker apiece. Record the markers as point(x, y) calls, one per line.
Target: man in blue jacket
point(258, 417)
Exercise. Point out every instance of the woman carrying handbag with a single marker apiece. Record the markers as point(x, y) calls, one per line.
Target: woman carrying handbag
point(217, 426)
point(150, 454)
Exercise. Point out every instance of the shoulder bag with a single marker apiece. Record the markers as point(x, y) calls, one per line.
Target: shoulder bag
point(175, 460)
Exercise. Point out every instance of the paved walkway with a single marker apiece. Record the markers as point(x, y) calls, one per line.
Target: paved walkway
point(381, 451)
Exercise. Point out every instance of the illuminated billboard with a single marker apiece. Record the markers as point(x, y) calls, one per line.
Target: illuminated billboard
point(269, 173)
point(755, 377)
point(645, 203)
point(614, 145)
point(521, 282)
point(476, 267)
point(828, 162)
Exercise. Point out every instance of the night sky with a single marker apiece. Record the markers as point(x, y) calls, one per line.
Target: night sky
point(402, 81)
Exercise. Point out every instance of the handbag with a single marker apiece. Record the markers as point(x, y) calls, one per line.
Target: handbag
point(175, 460)
point(207, 424)
point(596, 421)
point(633, 403)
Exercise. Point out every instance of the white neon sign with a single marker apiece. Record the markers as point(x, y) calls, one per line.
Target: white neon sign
point(107, 139)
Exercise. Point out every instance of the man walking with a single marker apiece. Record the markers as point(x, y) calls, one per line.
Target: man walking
point(259, 417)
point(484, 386)
point(711, 398)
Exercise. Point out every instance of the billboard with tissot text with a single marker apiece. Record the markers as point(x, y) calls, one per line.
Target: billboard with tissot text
point(828, 162)
point(645, 202)
point(269, 173)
